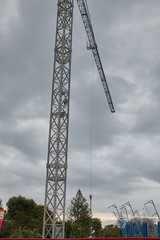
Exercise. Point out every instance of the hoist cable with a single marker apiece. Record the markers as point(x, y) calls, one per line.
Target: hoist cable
point(91, 133)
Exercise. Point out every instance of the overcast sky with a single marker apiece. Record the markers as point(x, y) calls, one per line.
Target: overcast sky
point(114, 157)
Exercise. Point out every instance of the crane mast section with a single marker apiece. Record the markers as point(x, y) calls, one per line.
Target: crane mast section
point(55, 193)
point(93, 46)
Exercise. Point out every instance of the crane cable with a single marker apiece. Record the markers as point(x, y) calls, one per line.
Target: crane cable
point(91, 135)
point(91, 118)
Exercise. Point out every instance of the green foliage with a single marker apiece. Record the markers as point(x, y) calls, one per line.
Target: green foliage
point(24, 218)
point(68, 229)
point(25, 233)
point(79, 214)
point(20, 204)
point(112, 231)
point(96, 227)
point(7, 228)
point(79, 210)
point(74, 230)
point(80, 223)
point(38, 217)
point(78, 231)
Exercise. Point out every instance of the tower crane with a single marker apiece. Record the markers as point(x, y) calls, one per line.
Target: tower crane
point(55, 191)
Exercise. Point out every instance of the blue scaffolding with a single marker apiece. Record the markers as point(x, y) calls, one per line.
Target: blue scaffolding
point(139, 227)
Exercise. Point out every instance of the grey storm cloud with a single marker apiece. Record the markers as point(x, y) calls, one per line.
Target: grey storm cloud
point(114, 157)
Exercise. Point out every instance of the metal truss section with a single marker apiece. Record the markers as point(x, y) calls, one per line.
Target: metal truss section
point(93, 46)
point(54, 209)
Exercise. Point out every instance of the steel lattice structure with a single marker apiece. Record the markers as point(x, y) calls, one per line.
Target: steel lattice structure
point(93, 46)
point(54, 212)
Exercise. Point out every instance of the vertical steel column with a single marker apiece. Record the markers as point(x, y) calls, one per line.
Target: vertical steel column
point(54, 209)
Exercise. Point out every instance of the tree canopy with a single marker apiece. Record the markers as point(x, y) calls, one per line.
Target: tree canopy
point(80, 222)
point(24, 219)
point(79, 210)
point(112, 231)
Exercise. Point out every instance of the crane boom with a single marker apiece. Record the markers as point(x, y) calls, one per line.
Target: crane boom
point(82, 4)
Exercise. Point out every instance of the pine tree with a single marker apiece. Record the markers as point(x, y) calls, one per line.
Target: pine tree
point(79, 210)
point(79, 213)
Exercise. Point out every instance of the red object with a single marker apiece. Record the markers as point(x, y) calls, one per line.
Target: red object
point(115, 238)
point(2, 213)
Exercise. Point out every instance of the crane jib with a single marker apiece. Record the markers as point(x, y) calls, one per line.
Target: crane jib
point(84, 11)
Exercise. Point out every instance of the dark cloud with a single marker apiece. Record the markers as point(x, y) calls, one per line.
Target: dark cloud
point(113, 156)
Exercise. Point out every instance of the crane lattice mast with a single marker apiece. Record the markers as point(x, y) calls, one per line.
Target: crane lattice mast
point(55, 194)
point(54, 209)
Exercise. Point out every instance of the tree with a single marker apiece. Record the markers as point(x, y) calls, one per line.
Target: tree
point(80, 215)
point(74, 230)
point(96, 227)
point(80, 223)
point(79, 211)
point(6, 228)
point(112, 231)
point(20, 204)
point(20, 211)
point(24, 217)
point(25, 233)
